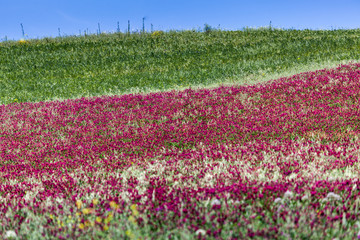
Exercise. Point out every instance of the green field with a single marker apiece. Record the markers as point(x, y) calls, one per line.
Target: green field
point(112, 64)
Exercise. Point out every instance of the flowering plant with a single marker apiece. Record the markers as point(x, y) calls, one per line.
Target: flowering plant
point(269, 160)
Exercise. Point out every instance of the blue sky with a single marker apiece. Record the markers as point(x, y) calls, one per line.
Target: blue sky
point(43, 18)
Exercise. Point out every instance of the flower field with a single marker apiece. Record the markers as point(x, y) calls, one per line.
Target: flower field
point(271, 160)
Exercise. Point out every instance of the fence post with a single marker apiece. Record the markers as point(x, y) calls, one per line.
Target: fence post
point(22, 29)
point(143, 30)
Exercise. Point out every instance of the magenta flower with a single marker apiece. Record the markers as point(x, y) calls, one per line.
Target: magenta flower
point(196, 160)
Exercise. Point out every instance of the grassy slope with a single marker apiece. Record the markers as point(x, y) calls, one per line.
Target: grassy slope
point(73, 67)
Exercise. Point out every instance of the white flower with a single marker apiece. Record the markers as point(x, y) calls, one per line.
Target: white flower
point(331, 196)
point(288, 194)
point(10, 234)
point(334, 196)
point(331, 179)
point(200, 231)
point(215, 202)
point(344, 222)
point(277, 200)
point(305, 197)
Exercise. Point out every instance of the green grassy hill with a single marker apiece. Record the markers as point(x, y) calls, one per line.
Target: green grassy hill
point(111, 64)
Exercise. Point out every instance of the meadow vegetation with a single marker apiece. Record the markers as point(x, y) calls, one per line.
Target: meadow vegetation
point(112, 64)
point(205, 146)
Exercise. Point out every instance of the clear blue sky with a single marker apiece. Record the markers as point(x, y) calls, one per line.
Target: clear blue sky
point(42, 18)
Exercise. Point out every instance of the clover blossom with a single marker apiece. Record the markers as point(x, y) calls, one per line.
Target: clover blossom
point(305, 197)
point(215, 202)
point(332, 196)
point(288, 194)
point(200, 231)
point(10, 234)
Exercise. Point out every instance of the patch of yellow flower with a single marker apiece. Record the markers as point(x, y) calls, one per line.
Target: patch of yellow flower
point(157, 33)
point(109, 218)
point(87, 210)
point(132, 219)
point(22, 41)
point(78, 204)
point(106, 221)
point(60, 223)
point(134, 210)
point(89, 223)
point(130, 234)
point(81, 226)
point(114, 206)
